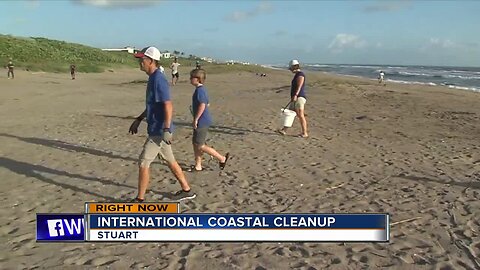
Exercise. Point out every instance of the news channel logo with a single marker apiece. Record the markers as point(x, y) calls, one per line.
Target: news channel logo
point(60, 227)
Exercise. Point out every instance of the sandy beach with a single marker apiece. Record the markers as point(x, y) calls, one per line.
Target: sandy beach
point(412, 151)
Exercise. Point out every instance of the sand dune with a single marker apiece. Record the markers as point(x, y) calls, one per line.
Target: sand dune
point(411, 151)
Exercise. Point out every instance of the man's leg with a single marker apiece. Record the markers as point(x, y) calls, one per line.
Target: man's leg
point(143, 180)
point(167, 154)
point(178, 172)
point(150, 151)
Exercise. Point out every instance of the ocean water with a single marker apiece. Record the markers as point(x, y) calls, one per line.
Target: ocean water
point(466, 78)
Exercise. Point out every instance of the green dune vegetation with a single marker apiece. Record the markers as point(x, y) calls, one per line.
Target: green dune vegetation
point(42, 54)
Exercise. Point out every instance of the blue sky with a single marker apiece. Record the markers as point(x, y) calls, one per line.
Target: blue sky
point(265, 32)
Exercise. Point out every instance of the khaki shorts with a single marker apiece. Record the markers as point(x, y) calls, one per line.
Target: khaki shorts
point(154, 146)
point(299, 104)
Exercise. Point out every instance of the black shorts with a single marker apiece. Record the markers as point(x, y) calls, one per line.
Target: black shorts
point(175, 75)
point(200, 136)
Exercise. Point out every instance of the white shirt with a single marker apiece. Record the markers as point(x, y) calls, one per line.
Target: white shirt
point(174, 67)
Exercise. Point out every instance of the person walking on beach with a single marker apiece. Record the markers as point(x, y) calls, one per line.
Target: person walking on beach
point(10, 67)
point(298, 97)
point(381, 78)
point(72, 71)
point(158, 111)
point(174, 68)
point(202, 120)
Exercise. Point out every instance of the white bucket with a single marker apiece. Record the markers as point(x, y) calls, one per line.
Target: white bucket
point(287, 117)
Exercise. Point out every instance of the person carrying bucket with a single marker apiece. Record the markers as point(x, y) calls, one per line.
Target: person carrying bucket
point(298, 98)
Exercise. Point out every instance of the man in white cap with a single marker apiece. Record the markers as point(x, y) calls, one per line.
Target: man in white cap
point(298, 97)
point(159, 110)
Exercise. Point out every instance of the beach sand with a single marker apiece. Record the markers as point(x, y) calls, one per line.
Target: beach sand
point(411, 151)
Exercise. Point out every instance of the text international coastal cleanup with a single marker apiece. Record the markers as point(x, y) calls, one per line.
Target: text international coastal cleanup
point(213, 222)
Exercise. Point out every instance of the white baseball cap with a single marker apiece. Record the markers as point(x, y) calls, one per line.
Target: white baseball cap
point(293, 63)
point(151, 52)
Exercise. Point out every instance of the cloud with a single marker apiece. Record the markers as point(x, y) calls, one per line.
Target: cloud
point(438, 43)
point(388, 6)
point(238, 16)
point(117, 3)
point(344, 41)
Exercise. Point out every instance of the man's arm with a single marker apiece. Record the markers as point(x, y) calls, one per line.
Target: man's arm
point(142, 116)
point(167, 133)
point(134, 126)
point(168, 113)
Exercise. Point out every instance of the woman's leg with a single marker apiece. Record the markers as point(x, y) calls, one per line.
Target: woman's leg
point(303, 121)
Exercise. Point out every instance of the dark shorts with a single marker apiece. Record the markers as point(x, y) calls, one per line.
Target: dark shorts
point(175, 75)
point(200, 136)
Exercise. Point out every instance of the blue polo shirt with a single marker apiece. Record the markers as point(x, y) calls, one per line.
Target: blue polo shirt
point(158, 91)
point(295, 86)
point(200, 96)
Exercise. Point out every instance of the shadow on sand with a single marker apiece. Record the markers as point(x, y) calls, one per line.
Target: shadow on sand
point(471, 184)
point(32, 170)
point(67, 146)
point(213, 128)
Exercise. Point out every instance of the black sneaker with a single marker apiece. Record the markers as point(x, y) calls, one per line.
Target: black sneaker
point(184, 195)
point(137, 200)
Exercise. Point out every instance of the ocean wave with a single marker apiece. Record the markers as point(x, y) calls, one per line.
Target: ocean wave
point(475, 89)
point(318, 65)
point(406, 73)
point(462, 77)
point(412, 82)
point(272, 67)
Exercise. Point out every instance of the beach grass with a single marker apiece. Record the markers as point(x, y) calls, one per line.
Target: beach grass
point(42, 54)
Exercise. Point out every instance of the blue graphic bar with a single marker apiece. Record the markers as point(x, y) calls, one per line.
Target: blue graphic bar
point(239, 221)
point(60, 227)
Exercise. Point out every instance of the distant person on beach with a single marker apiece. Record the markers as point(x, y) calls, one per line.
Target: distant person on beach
point(161, 68)
point(298, 97)
point(197, 65)
point(72, 71)
point(158, 111)
point(174, 68)
point(202, 120)
point(10, 67)
point(381, 78)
